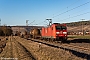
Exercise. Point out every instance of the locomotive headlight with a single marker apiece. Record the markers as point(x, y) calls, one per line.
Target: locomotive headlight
point(57, 32)
point(64, 32)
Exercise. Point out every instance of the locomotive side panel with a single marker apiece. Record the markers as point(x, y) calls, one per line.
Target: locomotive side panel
point(56, 31)
point(50, 32)
point(53, 31)
point(43, 32)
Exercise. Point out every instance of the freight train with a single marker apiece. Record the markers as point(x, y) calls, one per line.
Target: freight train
point(56, 31)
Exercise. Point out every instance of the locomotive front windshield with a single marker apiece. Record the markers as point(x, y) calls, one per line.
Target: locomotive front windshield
point(61, 28)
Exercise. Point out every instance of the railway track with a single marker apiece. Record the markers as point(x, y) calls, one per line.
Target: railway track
point(23, 53)
point(66, 46)
point(15, 50)
point(75, 49)
point(20, 48)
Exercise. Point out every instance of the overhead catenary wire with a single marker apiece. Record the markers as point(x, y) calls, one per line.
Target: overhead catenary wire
point(71, 9)
point(62, 9)
point(31, 22)
point(76, 16)
point(70, 15)
point(79, 11)
point(44, 21)
point(66, 7)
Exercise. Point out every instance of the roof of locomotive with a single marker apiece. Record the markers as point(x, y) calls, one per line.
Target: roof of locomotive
point(55, 24)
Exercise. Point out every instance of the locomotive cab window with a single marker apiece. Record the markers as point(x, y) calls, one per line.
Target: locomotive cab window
point(61, 28)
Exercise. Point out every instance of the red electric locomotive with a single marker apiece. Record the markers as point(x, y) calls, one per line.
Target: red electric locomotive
point(55, 31)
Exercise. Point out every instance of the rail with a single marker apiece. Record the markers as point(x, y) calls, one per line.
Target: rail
point(65, 46)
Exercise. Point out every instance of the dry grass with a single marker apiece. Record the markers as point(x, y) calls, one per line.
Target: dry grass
point(15, 50)
point(46, 52)
point(2, 43)
point(39, 51)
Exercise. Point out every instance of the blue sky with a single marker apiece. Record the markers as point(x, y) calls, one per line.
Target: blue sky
point(16, 12)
